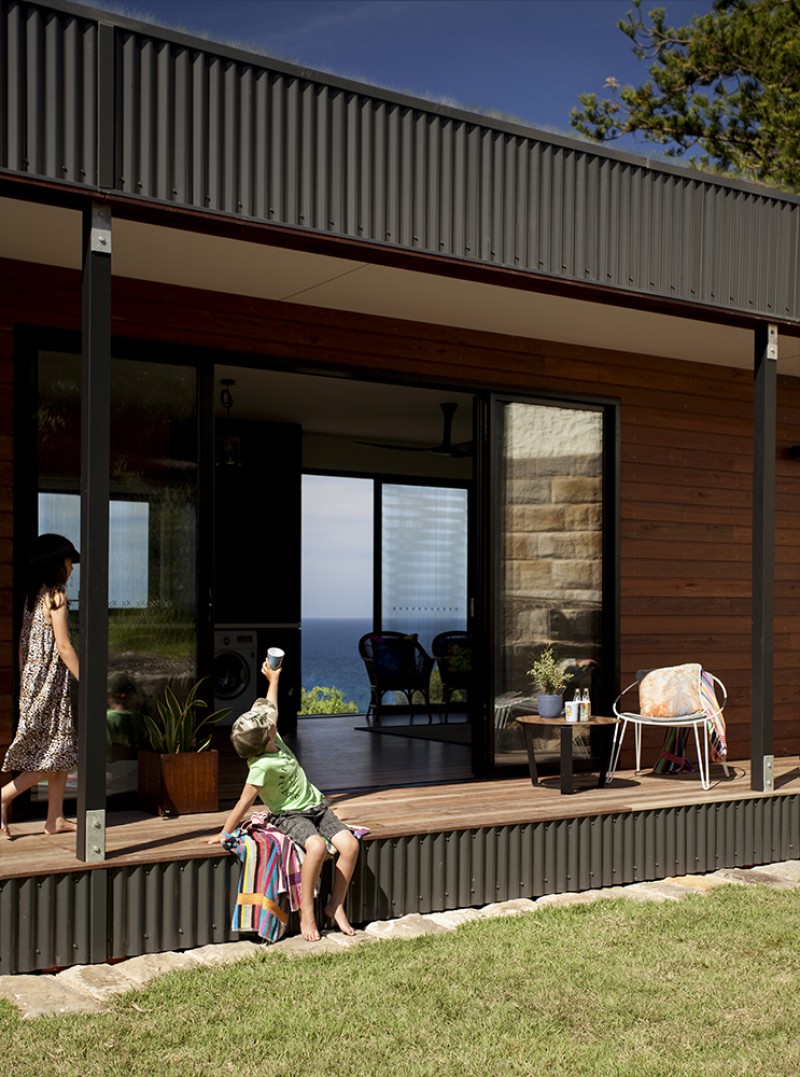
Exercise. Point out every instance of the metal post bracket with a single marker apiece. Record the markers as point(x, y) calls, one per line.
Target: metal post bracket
point(95, 836)
point(769, 774)
point(772, 342)
point(100, 241)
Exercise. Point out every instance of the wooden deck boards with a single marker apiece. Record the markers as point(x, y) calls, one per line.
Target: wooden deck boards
point(134, 838)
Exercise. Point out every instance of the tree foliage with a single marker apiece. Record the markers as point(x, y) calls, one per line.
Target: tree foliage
point(323, 700)
point(724, 90)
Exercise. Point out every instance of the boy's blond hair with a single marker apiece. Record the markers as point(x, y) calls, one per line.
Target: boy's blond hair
point(251, 731)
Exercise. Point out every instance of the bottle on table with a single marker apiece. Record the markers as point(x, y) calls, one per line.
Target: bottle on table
point(573, 709)
point(586, 706)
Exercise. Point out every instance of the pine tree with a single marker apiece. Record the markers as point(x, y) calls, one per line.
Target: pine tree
point(723, 90)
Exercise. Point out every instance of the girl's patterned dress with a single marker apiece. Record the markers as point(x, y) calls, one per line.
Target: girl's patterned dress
point(46, 738)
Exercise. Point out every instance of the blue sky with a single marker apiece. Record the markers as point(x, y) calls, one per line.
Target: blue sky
point(528, 59)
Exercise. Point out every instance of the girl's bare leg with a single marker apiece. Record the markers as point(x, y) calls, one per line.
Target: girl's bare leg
point(346, 845)
point(55, 822)
point(309, 877)
point(12, 789)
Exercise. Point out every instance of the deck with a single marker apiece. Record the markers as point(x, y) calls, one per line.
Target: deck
point(134, 838)
point(443, 845)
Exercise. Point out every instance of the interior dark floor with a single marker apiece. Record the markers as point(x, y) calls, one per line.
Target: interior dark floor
point(339, 752)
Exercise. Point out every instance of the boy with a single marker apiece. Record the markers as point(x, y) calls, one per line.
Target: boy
point(298, 809)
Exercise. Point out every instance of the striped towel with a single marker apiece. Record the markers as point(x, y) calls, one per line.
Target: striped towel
point(714, 717)
point(269, 879)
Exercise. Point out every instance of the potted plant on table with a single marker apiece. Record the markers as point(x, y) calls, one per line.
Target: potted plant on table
point(179, 775)
point(548, 675)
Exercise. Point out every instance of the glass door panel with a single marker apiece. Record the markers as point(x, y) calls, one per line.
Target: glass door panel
point(423, 559)
point(152, 529)
point(548, 561)
point(423, 584)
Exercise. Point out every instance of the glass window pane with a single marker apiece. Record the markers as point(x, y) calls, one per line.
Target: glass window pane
point(423, 560)
point(128, 533)
point(337, 587)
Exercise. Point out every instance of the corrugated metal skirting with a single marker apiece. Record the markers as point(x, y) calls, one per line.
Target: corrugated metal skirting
point(93, 916)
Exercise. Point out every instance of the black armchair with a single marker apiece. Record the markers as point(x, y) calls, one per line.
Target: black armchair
point(395, 662)
point(453, 654)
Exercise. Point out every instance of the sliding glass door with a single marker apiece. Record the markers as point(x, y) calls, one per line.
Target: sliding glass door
point(551, 545)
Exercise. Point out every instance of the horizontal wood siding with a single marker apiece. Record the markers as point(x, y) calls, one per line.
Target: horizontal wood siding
point(7, 649)
point(686, 466)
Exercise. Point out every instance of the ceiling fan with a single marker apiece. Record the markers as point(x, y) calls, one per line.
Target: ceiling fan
point(445, 446)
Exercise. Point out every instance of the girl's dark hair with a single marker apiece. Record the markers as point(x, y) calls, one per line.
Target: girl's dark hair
point(46, 566)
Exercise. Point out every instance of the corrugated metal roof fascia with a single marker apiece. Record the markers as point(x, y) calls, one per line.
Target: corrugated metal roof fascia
point(48, 68)
point(216, 131)
point(397, 98)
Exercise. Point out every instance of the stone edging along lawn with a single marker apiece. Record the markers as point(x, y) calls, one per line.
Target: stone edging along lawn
point(89, 988)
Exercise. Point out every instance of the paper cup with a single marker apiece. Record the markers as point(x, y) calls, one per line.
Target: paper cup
point(274, 657)
point(571, 710)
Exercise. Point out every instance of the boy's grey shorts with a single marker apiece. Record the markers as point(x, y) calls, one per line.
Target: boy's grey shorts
point(302, 825)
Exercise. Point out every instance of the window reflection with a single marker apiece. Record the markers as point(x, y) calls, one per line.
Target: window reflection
point(152, 529)
point(549, 577)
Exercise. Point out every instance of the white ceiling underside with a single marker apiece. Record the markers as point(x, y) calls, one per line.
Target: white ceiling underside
point(36, 233)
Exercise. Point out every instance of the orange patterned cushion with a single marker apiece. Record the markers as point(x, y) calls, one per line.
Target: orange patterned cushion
point(671, 692)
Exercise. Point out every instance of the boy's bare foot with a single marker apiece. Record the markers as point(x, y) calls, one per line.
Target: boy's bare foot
point(309, 929)
point(63, 826)
point(337, 913)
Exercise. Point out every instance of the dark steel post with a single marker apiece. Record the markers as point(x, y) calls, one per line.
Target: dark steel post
point(764, 425)
point(95, 468)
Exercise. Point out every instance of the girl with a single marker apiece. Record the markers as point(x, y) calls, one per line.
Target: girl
point(45, 746)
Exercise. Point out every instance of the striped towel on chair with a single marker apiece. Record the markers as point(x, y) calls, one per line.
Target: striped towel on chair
point(716, 719)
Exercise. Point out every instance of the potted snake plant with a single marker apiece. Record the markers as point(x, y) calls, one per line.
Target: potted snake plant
point(179, 774)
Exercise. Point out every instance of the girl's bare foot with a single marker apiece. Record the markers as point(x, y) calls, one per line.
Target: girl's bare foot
point(308, 928)
point(63, 826)
point(337, 913)
point(5, 833)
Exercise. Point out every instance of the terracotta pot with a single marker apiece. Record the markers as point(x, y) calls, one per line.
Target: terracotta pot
point(179, 784)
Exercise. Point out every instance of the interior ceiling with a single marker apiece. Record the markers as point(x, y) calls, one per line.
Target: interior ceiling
point(31, 232)
point(340, 407)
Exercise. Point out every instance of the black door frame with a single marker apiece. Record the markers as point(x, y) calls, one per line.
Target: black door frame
point(488, 537)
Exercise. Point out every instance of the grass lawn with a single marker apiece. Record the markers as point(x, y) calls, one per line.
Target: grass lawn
point(706, 985)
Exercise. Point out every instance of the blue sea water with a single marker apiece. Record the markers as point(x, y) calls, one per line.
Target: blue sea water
point(331, 659)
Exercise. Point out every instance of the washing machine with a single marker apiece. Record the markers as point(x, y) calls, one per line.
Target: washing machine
point(236, 669)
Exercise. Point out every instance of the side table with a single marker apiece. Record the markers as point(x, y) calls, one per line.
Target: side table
point(529, 722)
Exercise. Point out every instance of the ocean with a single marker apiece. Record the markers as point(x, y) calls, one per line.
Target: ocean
point(331, 659)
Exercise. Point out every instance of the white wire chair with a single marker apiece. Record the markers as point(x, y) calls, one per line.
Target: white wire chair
point(699, 720)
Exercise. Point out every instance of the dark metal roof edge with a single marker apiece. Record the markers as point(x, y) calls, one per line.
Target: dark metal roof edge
point(216, 222)
point(365, 89)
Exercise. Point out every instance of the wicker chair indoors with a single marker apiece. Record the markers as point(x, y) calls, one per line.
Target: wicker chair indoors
point(395, 662)
point(453, 654)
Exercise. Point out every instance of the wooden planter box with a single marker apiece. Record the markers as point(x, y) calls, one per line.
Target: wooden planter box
point(180, 784)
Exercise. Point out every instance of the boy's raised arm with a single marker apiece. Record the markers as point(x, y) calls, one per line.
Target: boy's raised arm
point(273, 676)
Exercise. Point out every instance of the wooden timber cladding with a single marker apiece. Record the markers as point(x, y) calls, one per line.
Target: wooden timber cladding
point(686, 466)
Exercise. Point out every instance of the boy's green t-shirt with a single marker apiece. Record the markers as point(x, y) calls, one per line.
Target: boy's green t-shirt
point(282, 782)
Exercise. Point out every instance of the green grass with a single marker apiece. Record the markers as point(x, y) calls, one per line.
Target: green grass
point(707, 985)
